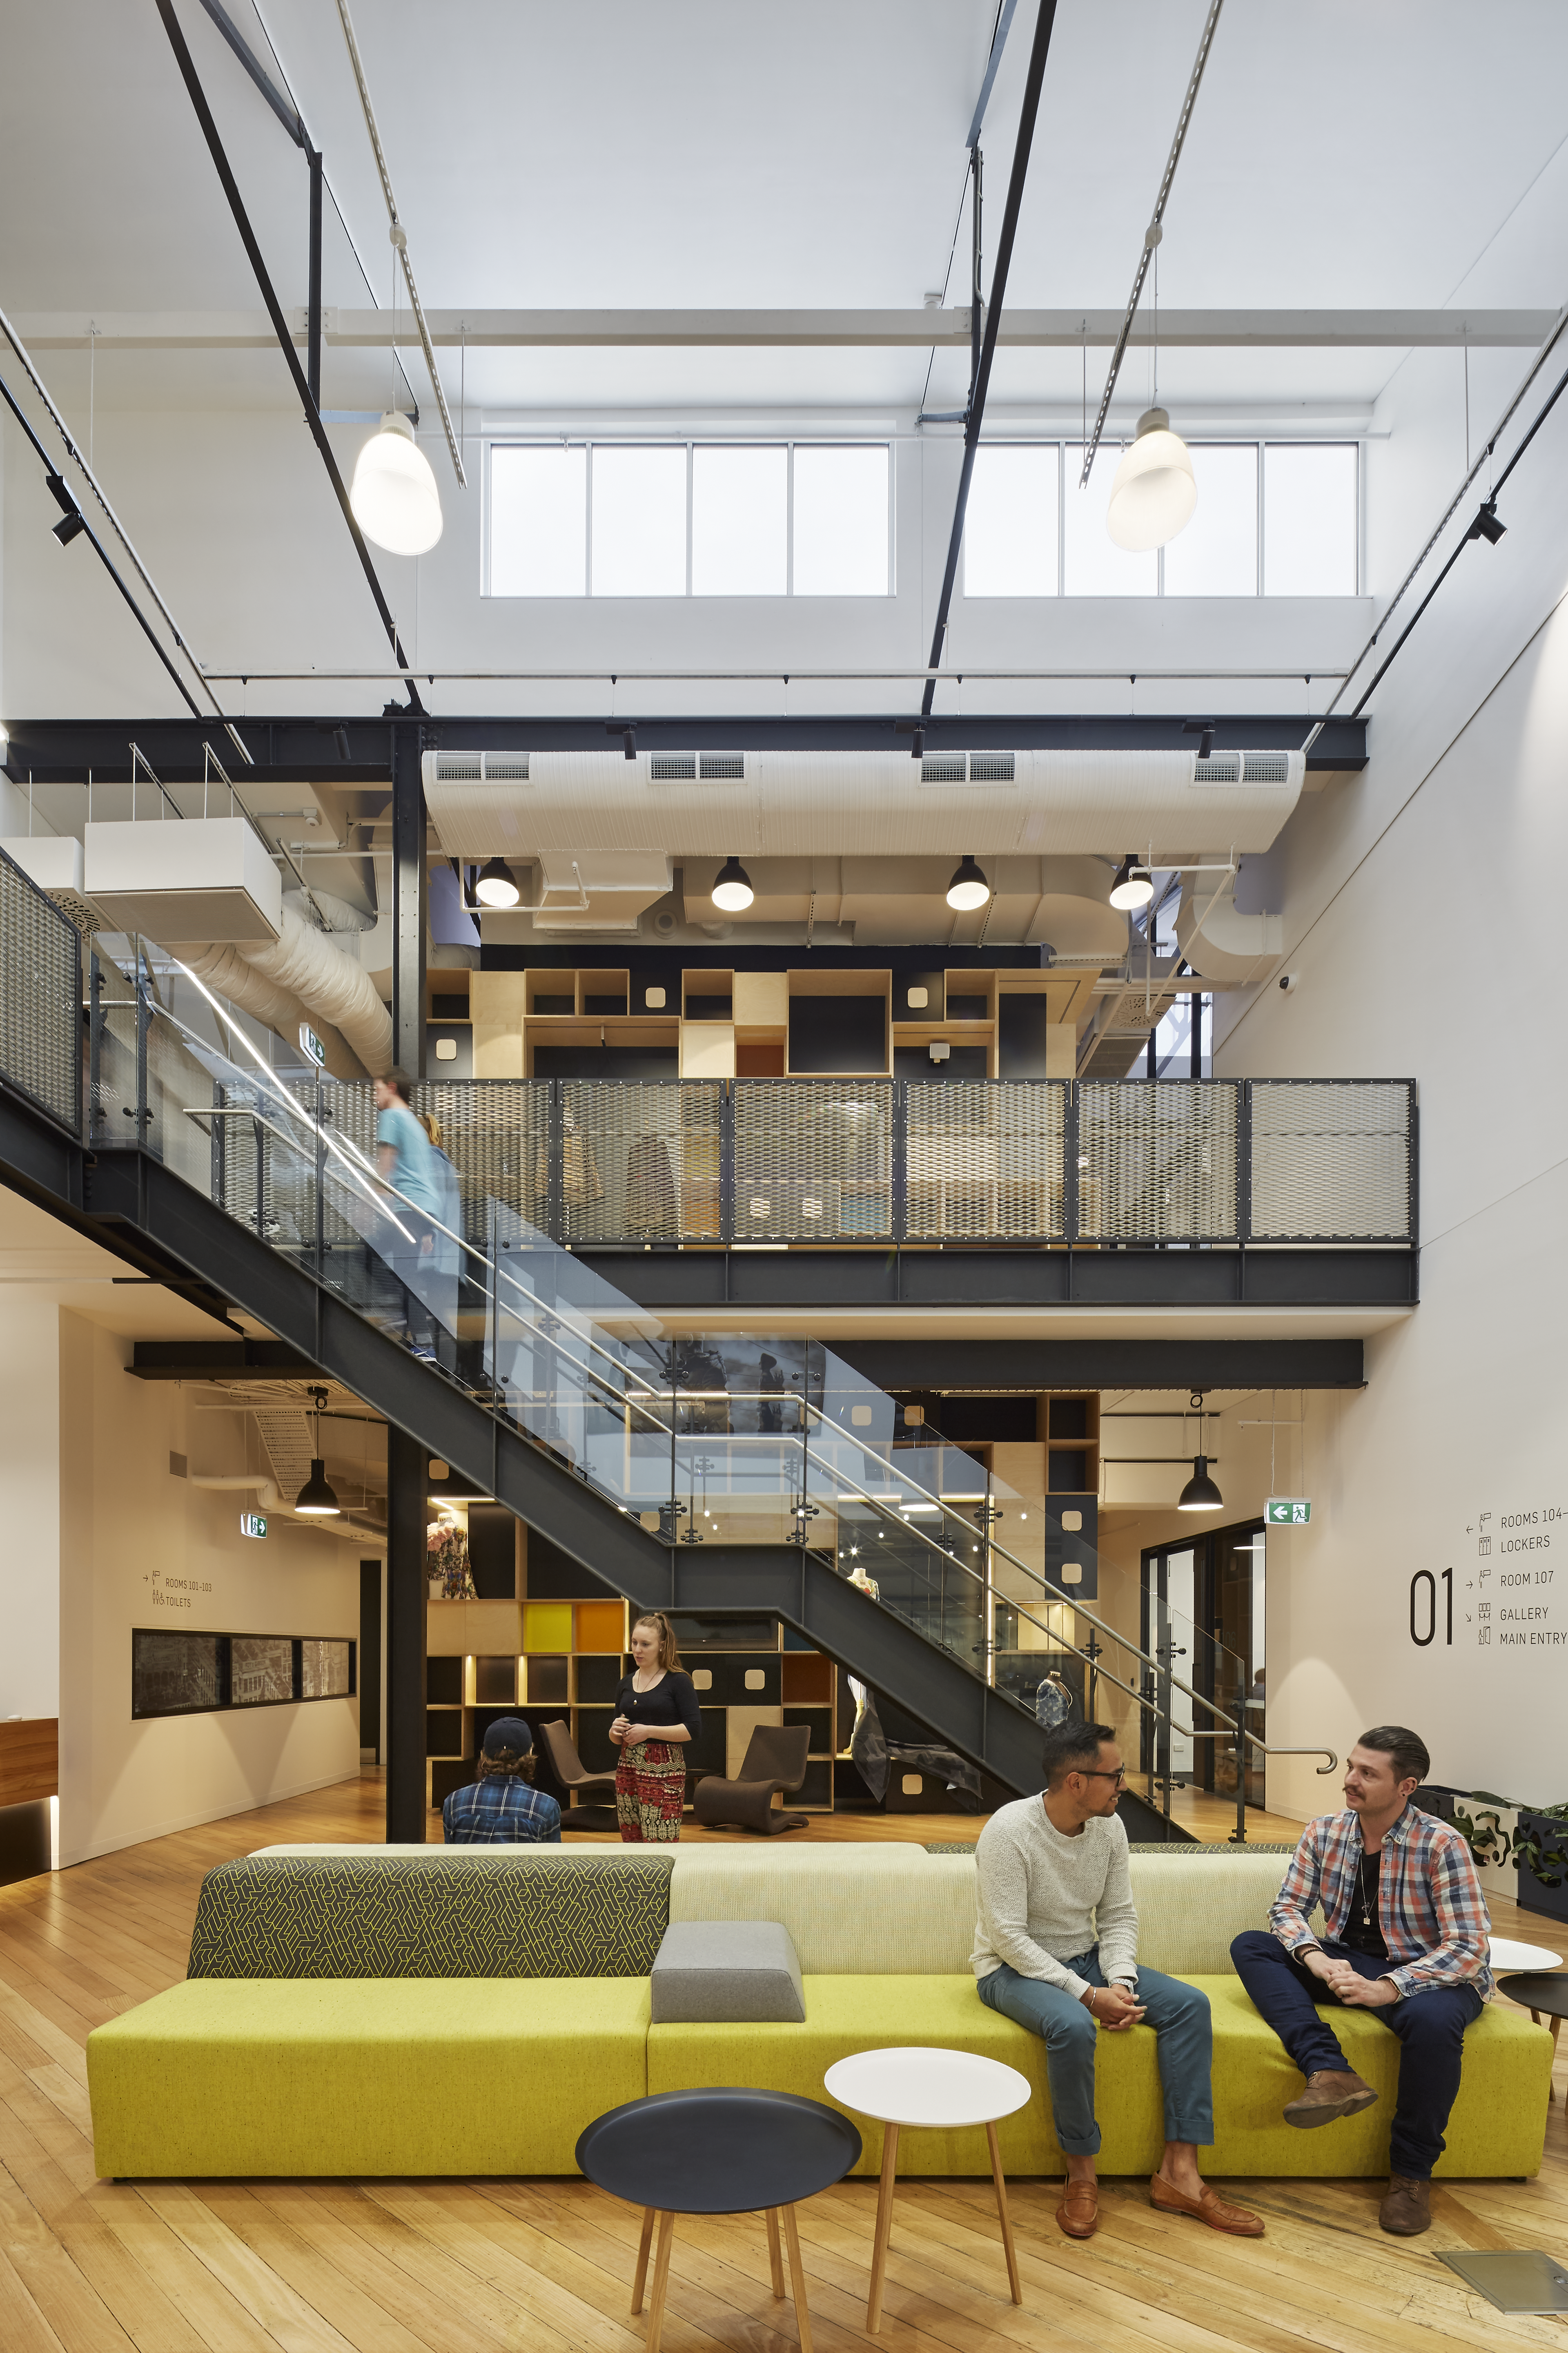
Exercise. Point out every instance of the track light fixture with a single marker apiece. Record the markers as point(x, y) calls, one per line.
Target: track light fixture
point(1133, 886)
point(495, 885)
point(67, 528)
point(1205, 729)
point(968, 889)
point(628, 736)
point(72, 519)
point(733, 891)
point(1486, 524)
point(315, 1499)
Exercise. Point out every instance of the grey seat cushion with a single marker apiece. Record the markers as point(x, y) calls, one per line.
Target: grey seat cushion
point(709, 1970)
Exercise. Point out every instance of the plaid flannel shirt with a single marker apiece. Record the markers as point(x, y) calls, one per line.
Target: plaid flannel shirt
point(503, 1810)
point(1430, 1907)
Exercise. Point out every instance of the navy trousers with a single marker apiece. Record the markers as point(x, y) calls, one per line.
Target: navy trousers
point(1430, 2027)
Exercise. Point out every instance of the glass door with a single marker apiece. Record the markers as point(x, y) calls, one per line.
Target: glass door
point(1235, 1617)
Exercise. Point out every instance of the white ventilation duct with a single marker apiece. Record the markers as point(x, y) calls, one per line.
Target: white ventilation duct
point(600, 891)
point(1224, 946)
point(303, 970)
point(269, 1499)
point(857, 804)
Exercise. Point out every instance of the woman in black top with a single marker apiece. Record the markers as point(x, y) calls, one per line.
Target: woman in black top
point(657, 1718)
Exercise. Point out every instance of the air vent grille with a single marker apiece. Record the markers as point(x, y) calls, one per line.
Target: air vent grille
point(481, 767)
point(673, 768)
point(943, 768)
point(990, 767)
point(968, 767)
point(1221, 768)
point(1265, 768)
point(724, 767)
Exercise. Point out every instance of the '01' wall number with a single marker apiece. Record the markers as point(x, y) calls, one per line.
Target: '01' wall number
point(1424, 1606)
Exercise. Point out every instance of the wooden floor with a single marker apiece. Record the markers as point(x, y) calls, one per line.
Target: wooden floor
point(466, 2267)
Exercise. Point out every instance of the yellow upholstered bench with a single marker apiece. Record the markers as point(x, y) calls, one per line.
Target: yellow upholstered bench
point(345, 2075)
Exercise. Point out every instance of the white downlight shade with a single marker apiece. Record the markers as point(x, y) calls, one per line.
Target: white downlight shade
point(1133, 886)
point(734, 891)
point(1154, 493)
point(968, 889)
point(393, 494)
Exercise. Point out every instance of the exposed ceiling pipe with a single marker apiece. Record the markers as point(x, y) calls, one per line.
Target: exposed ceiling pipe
point(302, 966)
point(269, 1499)
point(1033, 81)
point(281, 329)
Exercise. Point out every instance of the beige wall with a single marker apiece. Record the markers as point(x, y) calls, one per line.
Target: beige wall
point(139, 1546)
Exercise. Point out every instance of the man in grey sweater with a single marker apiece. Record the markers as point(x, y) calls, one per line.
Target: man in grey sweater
point(1056, 1950)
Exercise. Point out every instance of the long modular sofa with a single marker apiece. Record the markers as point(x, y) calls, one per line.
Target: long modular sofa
point(375, 2011)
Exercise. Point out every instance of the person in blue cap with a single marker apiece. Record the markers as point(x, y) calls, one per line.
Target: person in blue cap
point(502, 1807)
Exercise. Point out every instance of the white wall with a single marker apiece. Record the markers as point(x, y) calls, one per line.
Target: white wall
point(141, 1547)
point(1420, 909)
point(30, 1503)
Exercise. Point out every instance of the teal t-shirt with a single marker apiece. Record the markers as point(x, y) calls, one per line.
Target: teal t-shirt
point(414, 1169)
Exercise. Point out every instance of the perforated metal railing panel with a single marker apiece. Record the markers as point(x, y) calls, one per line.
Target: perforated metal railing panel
point(496, 1133)
point(984, 1160)
point(41, 998)
point(1157, 1163)
point(814, 1160)
point(641, 1160)
point(1332, 1159)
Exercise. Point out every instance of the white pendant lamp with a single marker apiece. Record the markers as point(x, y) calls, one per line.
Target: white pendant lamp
point(968, 889)
point(1154, 493)
point(1132, 888)
point(733, 891)
point(393, 494)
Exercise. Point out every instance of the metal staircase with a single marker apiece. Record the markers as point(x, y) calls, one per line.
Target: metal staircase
point(555, 1394)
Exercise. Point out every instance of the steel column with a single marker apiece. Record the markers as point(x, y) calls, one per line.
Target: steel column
point(313, 299)
point(410, 883)
point(405, 1730)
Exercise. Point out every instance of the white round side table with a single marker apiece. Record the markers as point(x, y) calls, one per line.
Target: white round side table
point(941, 2090)
point(1507, 1952)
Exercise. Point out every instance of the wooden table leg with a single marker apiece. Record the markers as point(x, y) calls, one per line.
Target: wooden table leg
point(660, 2283)
point(798, 2278)
point(1002, 2214)
point(884, 2227)
point(775, 2259)
point(640, 2282)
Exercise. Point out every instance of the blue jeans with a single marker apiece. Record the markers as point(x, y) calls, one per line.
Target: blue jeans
point(1178, 2013)
point(1430, 2027)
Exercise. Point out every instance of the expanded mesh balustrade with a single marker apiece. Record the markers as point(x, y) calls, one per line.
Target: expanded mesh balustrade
point(1158, 1162)
point(814, 1160)
point(1332, 1159)
point(41, 998)
point(984, 1161)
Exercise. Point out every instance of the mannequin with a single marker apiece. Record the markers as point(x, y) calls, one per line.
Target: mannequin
point(1054, 1703)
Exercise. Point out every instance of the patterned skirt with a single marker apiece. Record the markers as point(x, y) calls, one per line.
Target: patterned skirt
point(650, 1791)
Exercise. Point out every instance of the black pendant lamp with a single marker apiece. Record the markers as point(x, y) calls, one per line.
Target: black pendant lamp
point(315, 1498)
point(1200, 1493)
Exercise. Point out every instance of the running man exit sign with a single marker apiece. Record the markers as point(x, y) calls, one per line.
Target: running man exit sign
point(1287, 1511)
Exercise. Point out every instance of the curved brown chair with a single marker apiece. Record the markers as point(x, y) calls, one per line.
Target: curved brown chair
point(775, 1759)
point(572, 1775)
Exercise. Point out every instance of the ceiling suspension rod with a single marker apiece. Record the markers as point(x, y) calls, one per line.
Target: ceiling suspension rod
point(1033, 81)
point(1153, 233)
point(281, 329)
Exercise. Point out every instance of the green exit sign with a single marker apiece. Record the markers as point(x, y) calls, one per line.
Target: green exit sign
point(311, 1047)
point(1287, 1511)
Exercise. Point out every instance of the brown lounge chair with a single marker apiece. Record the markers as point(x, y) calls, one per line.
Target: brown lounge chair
point(775, 1759)
point(570, 1772)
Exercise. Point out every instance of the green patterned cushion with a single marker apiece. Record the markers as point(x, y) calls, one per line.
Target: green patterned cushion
point(387, 1916)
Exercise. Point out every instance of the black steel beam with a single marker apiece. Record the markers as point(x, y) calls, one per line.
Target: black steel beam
point(988, 1366)
point(1034, 82)
point(995, 1276)
point(296, 748)
point(220, 1360)
point(280, 328)
point(411, 886)
point(287, 114)
point(406, 1485)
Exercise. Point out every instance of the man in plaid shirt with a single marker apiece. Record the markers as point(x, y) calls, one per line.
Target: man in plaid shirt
point(1406, 1938)
point(502, 1807)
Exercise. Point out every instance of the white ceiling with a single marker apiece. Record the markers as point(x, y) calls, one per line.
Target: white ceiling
point(706, 155)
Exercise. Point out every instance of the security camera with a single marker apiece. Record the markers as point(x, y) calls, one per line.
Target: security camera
point(1288, 981)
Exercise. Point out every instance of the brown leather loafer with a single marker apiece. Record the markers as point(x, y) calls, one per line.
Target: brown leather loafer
point(1331, 2092)
point(1078, 2213)
point(1210, 2208)
point(1406, 2209)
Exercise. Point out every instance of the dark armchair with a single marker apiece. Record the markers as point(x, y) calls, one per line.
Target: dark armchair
point(775, 1759)
point(568, 1770)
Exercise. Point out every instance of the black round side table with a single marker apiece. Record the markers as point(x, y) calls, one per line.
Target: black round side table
point(1544, 1993)
point(718, 2152)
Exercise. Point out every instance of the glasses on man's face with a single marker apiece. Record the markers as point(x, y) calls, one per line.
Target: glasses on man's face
point(1119, 1777)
